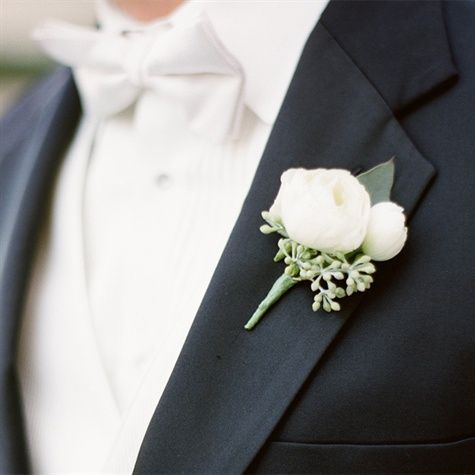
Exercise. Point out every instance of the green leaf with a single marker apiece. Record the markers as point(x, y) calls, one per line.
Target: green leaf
point(379, 181)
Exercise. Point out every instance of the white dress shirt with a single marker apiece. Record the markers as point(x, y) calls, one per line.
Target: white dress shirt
point(139, 218)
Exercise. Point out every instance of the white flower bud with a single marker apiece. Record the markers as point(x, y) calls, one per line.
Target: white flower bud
point(387, 233)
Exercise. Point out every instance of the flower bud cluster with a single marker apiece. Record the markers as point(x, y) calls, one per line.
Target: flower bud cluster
point(332, 277)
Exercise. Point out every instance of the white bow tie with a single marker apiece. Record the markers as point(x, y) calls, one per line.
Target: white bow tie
point(185, 63)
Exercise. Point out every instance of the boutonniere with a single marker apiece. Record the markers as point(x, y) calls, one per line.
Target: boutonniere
point(333, 225)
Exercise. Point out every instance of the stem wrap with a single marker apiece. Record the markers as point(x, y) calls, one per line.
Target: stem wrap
point(280, 287)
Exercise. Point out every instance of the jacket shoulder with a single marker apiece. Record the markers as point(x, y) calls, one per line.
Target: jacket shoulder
point(22, 117)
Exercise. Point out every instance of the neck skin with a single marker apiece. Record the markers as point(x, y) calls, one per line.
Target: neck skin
point(148, 10)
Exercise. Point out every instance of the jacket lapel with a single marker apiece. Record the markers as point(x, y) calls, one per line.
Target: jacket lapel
point(27, 167)
point(401, 47)
point(230, 387)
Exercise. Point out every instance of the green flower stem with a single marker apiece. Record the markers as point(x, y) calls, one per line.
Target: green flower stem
point(280, 287)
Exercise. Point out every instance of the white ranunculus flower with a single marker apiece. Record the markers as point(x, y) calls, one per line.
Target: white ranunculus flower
point(327, 210)
point(387, 232)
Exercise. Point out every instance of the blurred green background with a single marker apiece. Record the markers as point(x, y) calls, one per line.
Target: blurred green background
point(20, 60)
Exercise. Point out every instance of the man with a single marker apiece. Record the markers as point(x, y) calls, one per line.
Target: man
point(128, 180)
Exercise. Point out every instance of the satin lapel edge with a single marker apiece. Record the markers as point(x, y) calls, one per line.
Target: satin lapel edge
point(26, 183)
point(32, 170)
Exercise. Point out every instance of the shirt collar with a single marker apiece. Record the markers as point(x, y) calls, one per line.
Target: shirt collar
point(266, 37)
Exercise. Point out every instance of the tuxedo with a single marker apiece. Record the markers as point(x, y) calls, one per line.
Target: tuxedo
point(385, 385)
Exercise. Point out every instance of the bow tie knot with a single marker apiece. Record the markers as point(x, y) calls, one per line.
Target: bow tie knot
point(134, 48)
point(185, 63)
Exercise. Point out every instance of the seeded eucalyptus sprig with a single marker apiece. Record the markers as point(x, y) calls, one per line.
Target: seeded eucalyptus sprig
point(332, 276)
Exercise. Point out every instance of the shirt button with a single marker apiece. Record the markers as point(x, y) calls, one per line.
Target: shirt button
point(163, 181)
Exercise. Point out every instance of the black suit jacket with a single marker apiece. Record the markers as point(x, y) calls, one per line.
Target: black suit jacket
point(386, 385)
